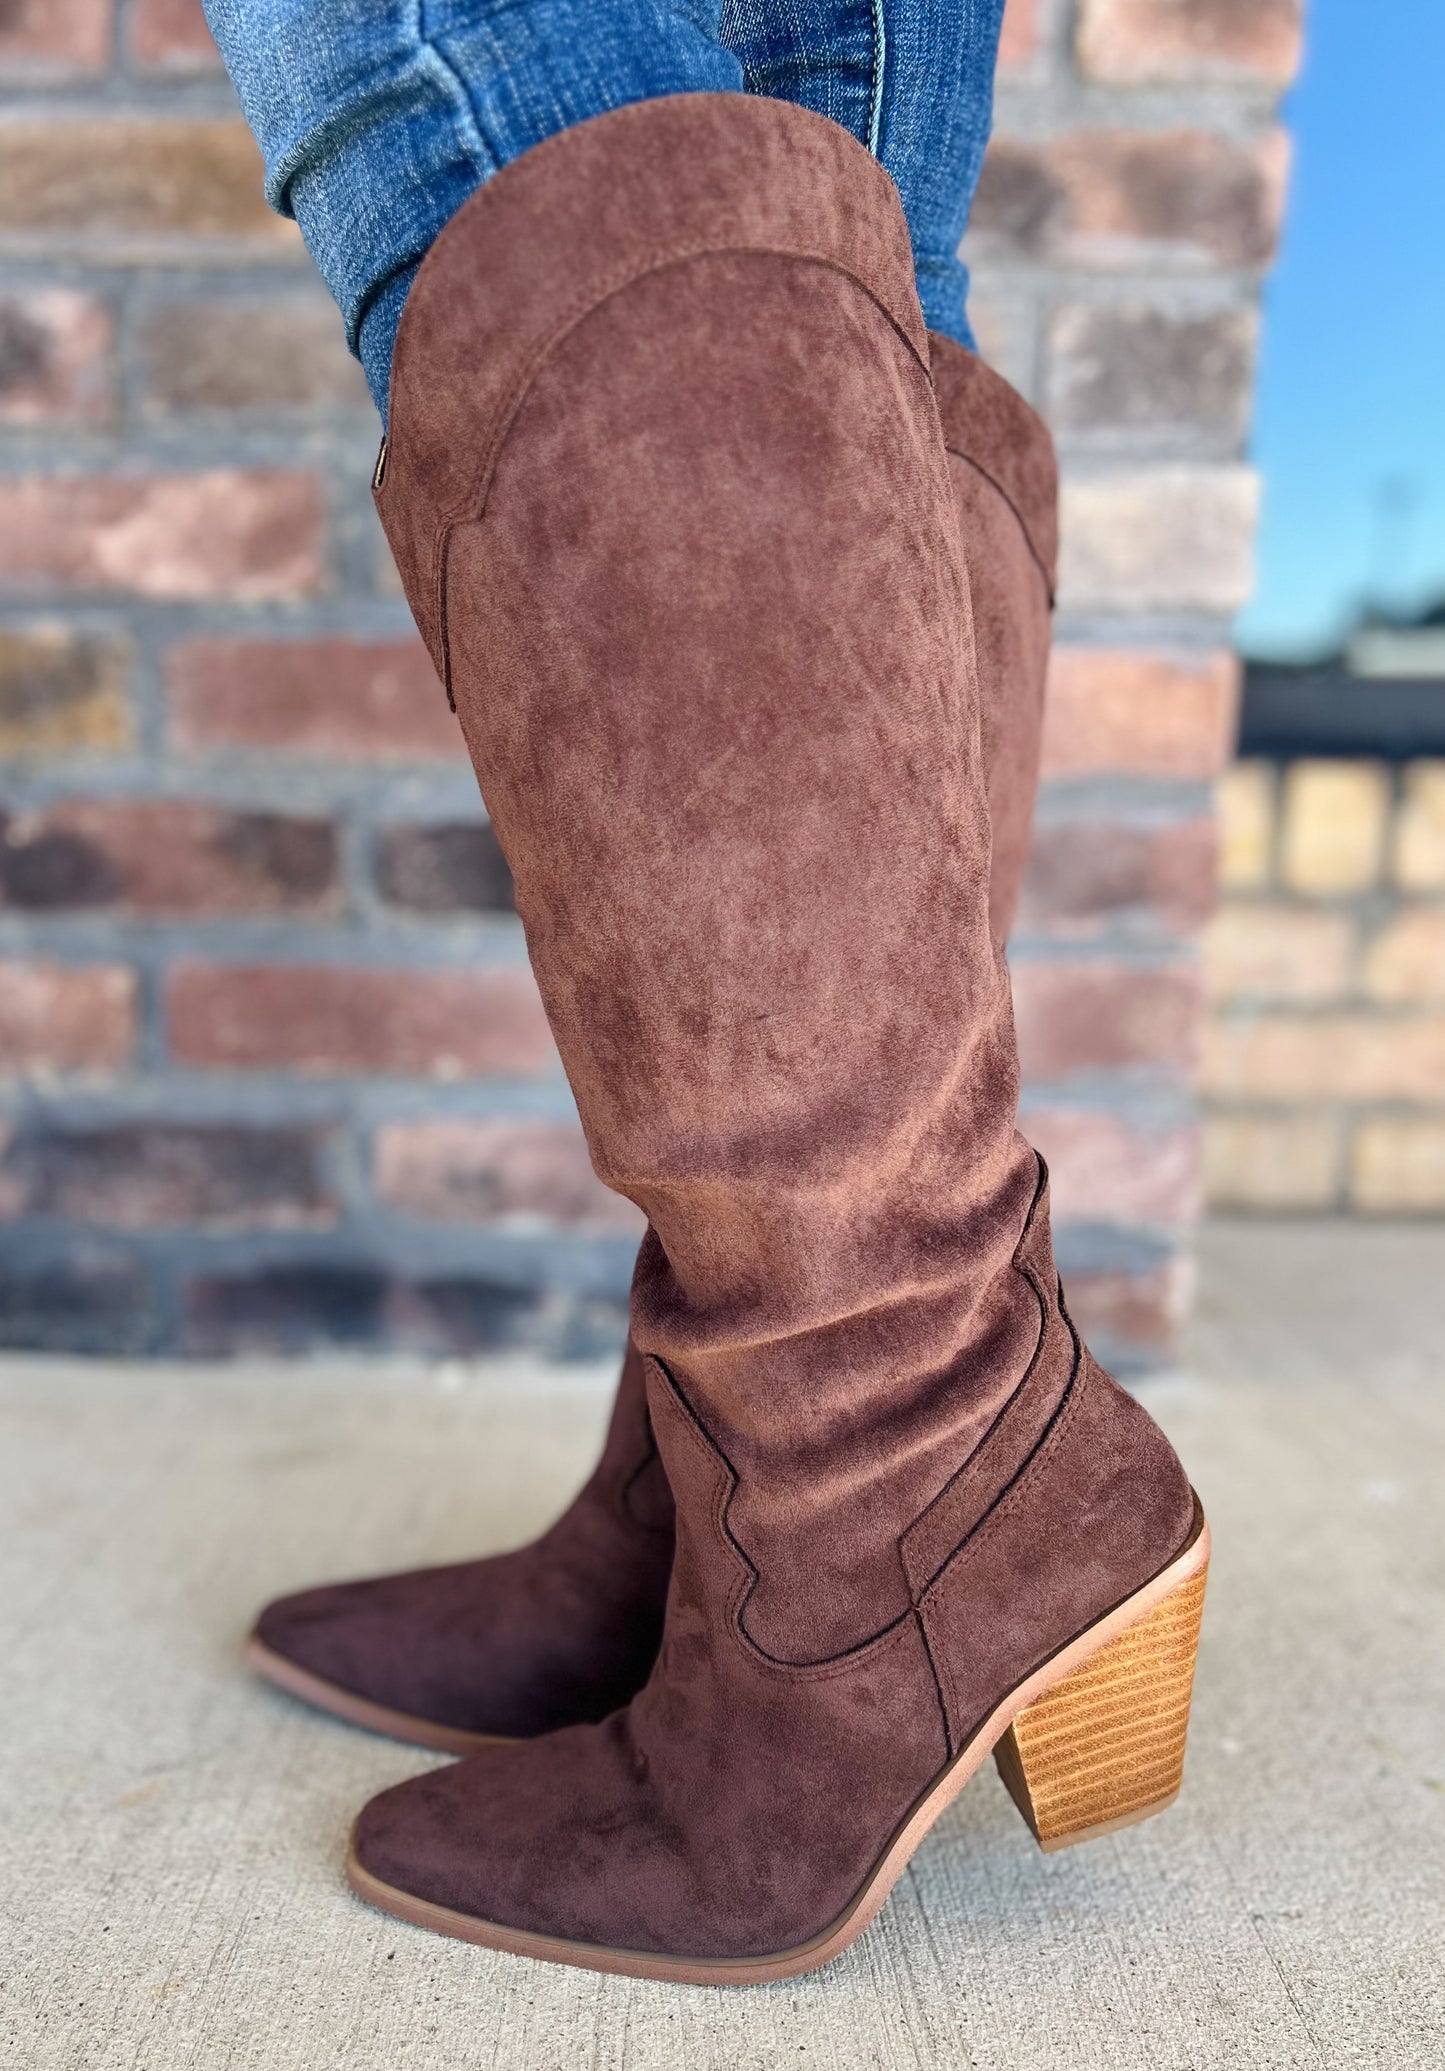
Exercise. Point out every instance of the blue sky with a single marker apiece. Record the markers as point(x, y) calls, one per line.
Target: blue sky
point(1350, 415)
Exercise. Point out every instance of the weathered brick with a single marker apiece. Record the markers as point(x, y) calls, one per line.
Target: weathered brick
point(1406, 960)
point(1278, 1161)
point(460, 1316)
point(1137, 42)
point(1333, 817)
point(280, 355)
point(165, 856)
point(1282, 1056)
point(344, 700)
point(226, 533)
point(1117, 369)
point(1019, 35)
point(1105, 1168)
point(61, 693)
point(497, 1170)
point(1131, 1319)
point(431, 1024)
point(93, 1301)
point(311, 1307)
point(1418, 861)
point(57, 1017)
point(301, 1308)
point(1083, 874)
point(1103, 1016)
point(1112, 198)
point(1164, 539)
point(47, 39)
point(149, 178)
point(1152, 715)
point(457, 868)
point(172, 35)
point(156, 1175)
point(55, 358)
point(284, 1308)
point(1397, 1165)
point(1244, 801)
point(1276, 952)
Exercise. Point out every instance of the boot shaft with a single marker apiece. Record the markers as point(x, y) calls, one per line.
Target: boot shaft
point(667, 487)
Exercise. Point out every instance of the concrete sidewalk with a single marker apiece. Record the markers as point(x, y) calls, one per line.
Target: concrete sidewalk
point(171, 1834)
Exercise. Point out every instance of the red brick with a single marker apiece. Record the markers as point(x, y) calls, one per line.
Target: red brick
point(1148, 715)
point(55, 1017)
point(226, 533)
point(157, 1175)
point(55, 358)
point(1136, 42)
point(1104, 1168)
point(164, 856)
point(128, 177)
point(1084, 1017)
point(496, 1170)
point(1134, 197)
point(172, 35)
point(427, 1024)
point(1084, 873)
point(346, 700)
point(1133, 1318)
point(1019, 36)
point(286, 354)
point(51, 38)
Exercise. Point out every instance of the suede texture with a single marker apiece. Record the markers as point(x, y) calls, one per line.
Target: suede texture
point(736, 1807)
point(732, 1809)
point(504, 1645)
point(1006, 483)
point(710, 644)
point(704, 612)
point(566, 1628)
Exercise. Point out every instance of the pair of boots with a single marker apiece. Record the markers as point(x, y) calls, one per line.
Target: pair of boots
point(739, 583)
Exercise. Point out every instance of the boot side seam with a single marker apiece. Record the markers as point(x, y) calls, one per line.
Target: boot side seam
point(957, 453)
point(651, 1453)
point(944, 1585)
point(828, 1665)
point(1025, 1270)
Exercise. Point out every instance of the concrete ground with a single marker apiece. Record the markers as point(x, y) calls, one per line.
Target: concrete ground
point(171, 1833)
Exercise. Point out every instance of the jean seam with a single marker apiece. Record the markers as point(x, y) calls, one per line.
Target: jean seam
point(483, 156)
point(875, 91)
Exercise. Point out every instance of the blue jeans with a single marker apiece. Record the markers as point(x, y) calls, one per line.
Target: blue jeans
point(378, 118)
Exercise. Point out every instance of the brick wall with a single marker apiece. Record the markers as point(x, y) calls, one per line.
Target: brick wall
point(274, 1073)
point(1325, 1077)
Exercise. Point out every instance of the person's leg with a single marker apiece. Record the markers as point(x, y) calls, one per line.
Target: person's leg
point(912, 80)
point(376, 122)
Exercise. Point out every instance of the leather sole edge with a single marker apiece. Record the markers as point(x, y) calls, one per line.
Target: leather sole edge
point(322, 1695)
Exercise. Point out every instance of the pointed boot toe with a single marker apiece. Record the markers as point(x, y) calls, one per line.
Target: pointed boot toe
point(452, 1657)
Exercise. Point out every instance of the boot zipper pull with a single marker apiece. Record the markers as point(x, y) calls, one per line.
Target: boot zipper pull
point(379, 472)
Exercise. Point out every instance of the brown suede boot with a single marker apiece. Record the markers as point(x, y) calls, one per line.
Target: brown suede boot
point(669, 495)
point(563, 1629)
point(566, 1628)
